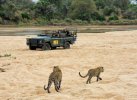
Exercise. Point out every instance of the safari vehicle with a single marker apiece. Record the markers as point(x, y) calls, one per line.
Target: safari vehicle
point(52, 40)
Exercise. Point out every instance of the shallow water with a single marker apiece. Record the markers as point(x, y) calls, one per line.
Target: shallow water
point(21, 31)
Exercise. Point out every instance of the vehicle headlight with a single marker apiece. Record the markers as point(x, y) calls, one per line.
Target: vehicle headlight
point(40, 41)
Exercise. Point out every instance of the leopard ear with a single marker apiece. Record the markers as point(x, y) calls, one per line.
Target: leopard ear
point(101, 66)
point(55, 66)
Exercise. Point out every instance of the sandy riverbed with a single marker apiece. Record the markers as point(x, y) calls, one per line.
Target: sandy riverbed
point(27, 71)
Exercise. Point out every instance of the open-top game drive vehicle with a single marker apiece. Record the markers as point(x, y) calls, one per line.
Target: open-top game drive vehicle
point(52, 40)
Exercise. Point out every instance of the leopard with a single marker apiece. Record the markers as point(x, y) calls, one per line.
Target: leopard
point(93, 73)
point(56, 78)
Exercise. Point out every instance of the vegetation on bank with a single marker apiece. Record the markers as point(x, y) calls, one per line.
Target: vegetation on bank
point(68, 12)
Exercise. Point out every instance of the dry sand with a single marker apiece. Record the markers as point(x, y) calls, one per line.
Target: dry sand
point(27, 71)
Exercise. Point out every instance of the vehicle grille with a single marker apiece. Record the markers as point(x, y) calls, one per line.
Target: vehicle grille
point(33, 42)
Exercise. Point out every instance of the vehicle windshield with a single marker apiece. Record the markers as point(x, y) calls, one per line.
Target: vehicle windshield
point(46, 33)
point(49, 35)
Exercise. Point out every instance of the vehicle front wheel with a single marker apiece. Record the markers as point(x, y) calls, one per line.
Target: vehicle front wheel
point(66, 45)
point(46, 46)
point(32, 48)
point(53, 48)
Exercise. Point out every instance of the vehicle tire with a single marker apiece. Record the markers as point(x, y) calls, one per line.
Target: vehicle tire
point(53, 48)
point(66, 45)
point(32, 48)
point(46, 46)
